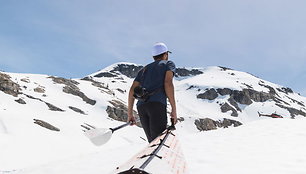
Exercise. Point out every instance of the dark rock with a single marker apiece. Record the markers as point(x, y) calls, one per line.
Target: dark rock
point(185, 72)
point(46, 125)
point(226, 107)
point(224, 91)
point(293, 112)
point(77, 110)
point(247, 85)
point(20, 101)
point(224, 68)
point(8, 86)
point(207, 124)
point(130, 71)
point(259, 96)
point(26, 80)
point(234, 103)
point(74, 90)
point(39, 89)
point(285, 90)
point(118, 111)
point(191, 87)
point(64, 81)
point(271, 89)
point(120, 90)
point(210, 94)
point(242, 97)
point(71, 88)
point(53, 108)
point(228, 122)
point(181, 119)
point(105, 74)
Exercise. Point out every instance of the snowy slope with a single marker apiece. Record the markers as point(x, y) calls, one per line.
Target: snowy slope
point(26, 147)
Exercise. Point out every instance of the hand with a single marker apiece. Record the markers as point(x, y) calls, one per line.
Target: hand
point(131, 119)
point(173, 116)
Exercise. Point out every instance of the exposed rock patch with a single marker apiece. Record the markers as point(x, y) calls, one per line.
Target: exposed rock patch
point(77, 110)
point(8, 86)
point(210, 94)
point(39, 89)
point(226, 107)
point(74, 90)
point(20, 101)
point(118, 111)
point(185, 72)
point(26, 80)
point(130, 71)
point(53, 108)
point(224, 68)
point(105, 74)
point(207, 124)
point(46, 125)
point(293, 112)
point(50, 106)
point(71, 88)
point(224, 91)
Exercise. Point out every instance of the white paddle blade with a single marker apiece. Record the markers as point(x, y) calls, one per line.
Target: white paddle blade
point(98, 136)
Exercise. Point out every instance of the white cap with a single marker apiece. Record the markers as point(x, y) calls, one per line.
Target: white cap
point(159, 48)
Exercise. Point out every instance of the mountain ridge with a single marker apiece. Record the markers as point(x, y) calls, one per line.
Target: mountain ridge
point(52, 108)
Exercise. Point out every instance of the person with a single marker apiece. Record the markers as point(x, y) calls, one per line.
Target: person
point(157, 79)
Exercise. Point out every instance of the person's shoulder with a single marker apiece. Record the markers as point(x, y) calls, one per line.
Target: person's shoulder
point(166, 62)
point(169, 62)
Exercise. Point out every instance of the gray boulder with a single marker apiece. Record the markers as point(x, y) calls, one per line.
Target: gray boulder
point(226, 107)
point(8, 86)
point(185, 72)
point(118, 111)
point(210, 94)
point(206, 124)
point(46, 125)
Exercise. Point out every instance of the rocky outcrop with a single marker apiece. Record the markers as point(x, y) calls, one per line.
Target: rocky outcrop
point(39, 89)
point(210, 94)
point(285, 90)
point(130, 71)
point(185, 72)
point(226, 107)
point(74, 90)
point(46, 125)
point(118, 111)
point(105, 74)
point(245, 97)
point(26, 80)
point(224, 91)
point(207, 124)
point(77, 110)
point(293, 112)
point(71, 88)
point(51, 106)
point(8, 86)
point(20, 101)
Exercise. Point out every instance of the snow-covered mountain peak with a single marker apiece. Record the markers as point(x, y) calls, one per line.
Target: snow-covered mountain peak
point(39, 110)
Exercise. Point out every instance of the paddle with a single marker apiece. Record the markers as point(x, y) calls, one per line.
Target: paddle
point(100, 136)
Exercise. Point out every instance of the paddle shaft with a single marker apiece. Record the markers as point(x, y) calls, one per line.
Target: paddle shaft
point(119, 127)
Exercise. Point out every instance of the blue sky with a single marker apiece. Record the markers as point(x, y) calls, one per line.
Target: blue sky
point(75, 38)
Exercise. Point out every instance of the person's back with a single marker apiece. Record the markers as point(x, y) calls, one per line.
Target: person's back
point(156, 78)
point(152, 78)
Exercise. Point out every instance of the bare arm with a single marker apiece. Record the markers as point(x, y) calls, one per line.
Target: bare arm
point(131, 100)
point(169, 88)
